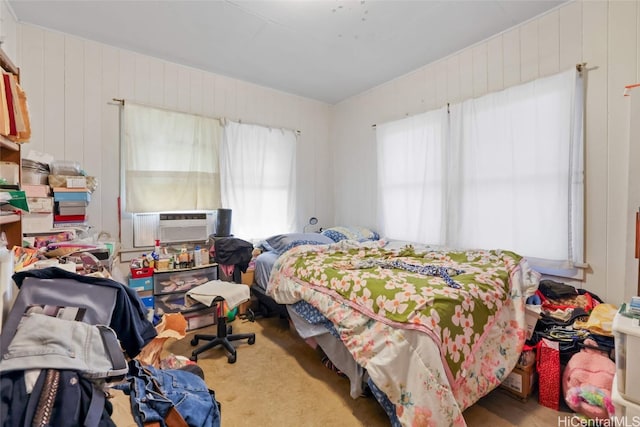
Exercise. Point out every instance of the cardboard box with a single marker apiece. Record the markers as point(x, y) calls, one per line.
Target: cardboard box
point(35, 190)
point(532, 314)
point(520, 382)
point(247, 277)
point(37, 222)
point(40, 204)
point(10, 171)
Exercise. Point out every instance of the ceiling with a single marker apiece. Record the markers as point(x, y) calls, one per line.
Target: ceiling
point(326, 50)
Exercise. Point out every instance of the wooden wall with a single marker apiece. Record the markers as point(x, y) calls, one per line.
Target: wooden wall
point(605, 35)
point(71, 83)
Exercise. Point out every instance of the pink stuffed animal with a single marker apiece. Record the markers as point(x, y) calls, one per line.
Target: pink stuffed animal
point(587, 381)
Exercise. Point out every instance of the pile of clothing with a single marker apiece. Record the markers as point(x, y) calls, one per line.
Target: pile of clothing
point(579, 324)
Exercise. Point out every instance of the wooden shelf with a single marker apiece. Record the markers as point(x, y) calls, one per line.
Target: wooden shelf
point(10, 224)
point(8, 219)
point(7, 64)
point(8, 144)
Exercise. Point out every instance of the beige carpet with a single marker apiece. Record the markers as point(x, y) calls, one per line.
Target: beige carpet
point(280, 381)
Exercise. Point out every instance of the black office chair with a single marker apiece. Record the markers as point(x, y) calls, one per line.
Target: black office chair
point(223, 337)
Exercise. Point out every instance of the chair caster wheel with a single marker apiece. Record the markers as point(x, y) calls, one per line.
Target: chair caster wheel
point(194, 341)
point(194, 358)
point(231, 358)
point(229, 330)
point(251, 340)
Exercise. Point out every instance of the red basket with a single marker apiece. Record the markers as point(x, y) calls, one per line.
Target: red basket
point(136, 273)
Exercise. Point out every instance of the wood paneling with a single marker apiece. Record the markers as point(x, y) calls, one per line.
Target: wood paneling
point(495, 64)
point(529, 59)
point(570, 33)
point(596, 145)
point(548, 45)
point(70, 83)
point(622, 57)
point(511, 58)
point(53, 96)
point(480, 69)
point(606, 35)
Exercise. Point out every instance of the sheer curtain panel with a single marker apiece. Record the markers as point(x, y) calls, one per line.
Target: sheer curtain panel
point(411, 177)
point(517, 170)
point(170, 160)
point(504, 170)
point(258, 167)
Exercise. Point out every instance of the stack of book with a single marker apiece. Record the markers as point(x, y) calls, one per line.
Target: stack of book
point(70, 206)
point(39, 219)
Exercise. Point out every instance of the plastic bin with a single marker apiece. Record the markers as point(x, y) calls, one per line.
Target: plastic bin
point(627, 413)
point(65, 167)
point(626, 333)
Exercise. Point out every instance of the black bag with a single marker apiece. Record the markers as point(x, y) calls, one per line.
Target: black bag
point(555, 290)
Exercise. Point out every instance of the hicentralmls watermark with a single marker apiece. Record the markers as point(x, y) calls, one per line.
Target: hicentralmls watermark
point(573, 421)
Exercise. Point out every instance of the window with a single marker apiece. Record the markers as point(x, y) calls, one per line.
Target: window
point(170, 160)
point(410, 176)
point(509, 174)
point(258, 168)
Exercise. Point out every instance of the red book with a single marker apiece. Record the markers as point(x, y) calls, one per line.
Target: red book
point(69, 218)
point(9, 95)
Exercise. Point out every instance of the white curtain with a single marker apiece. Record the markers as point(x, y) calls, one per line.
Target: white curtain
point(170, 160)
point(410, 177)
point(258, 168)
point(519, 171)
point(512, 174)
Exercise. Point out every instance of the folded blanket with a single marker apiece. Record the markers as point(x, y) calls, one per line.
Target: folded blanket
point(233, 293)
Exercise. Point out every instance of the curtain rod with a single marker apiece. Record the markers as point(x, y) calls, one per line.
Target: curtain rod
point(222, 119)
point(296, 131)
point(580, 67)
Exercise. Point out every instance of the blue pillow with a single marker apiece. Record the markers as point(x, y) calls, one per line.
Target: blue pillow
point(281, 243)
point(360, 234)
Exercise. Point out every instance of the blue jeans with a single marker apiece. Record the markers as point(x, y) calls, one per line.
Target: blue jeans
point(182, 389)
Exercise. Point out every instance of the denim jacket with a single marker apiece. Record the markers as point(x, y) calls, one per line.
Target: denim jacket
point(154, 391)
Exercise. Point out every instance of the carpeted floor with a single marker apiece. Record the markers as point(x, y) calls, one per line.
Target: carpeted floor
point(281, 381)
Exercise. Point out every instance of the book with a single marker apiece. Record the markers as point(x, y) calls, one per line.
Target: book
point(73, 203)
point(35, 190)
point(69, 225)
point(73, 210)
point(70, 190)
point(71, 196)
point(40, 204)
point(69, 218)
point(11, 112)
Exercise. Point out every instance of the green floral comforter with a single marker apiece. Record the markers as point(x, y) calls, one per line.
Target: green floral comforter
point(381, 283)
point(378, 299)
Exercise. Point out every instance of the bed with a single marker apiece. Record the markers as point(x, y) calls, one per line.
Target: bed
point(430, 330)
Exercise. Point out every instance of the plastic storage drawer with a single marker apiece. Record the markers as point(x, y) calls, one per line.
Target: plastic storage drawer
point(141, 284)
point(627, 413)
point(182, 280)
point(626, 332)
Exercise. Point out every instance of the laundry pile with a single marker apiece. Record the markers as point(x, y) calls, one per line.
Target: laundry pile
point(575, 349)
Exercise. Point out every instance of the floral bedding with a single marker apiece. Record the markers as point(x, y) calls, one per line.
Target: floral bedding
point(436, 330)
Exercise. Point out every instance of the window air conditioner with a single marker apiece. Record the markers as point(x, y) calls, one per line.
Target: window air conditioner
point(183, 227)
point(171, 227)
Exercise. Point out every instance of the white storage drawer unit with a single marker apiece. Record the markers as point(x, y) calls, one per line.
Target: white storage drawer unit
point(626, 332)
point(627, 413)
